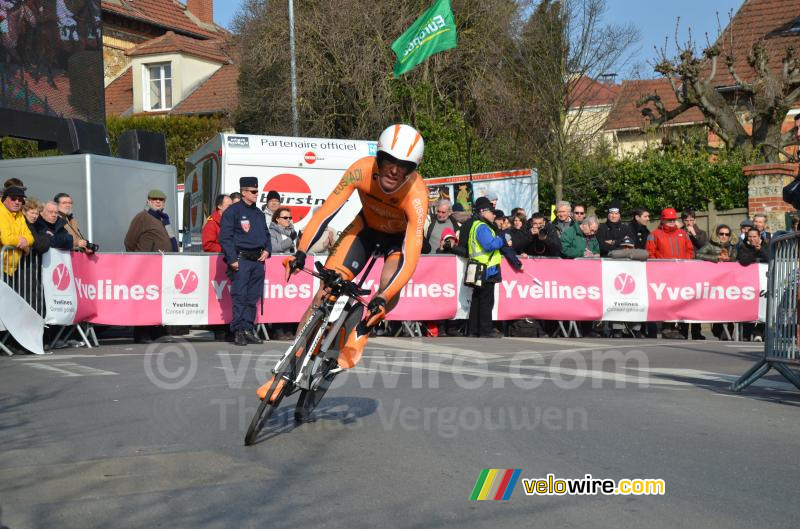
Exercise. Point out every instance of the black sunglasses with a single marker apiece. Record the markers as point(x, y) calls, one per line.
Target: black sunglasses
point(285, 218)
point(724, 234)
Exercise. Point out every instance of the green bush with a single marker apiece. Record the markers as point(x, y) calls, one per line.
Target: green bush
point(679, 177)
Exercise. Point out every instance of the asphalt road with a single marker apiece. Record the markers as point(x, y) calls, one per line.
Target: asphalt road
point(130, 437)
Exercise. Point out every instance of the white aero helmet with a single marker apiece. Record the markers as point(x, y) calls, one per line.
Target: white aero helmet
point(402, 142)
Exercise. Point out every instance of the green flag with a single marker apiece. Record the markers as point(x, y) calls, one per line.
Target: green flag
point(431, 33)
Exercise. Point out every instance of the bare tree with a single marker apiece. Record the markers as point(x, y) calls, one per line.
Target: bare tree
point(731, 90)
point(564, 46)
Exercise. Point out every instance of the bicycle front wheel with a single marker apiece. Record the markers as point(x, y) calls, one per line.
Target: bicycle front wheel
point(268, 405)
point(278, 391)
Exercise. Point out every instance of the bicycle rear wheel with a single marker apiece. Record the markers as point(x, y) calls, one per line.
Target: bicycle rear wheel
point(275, 394)
point(310, 399)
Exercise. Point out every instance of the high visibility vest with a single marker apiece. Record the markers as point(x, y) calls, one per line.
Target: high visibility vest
point(477, 252)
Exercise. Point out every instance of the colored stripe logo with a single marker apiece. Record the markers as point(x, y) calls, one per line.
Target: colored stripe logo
point(495, 484)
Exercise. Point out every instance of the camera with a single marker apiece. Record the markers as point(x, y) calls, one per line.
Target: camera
point(448, 244)
point(92, 247)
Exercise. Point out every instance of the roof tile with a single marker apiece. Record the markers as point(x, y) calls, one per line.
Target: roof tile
point(219, 94)
point(172, 43)
point(586, 92)
point(169, 14)
point(119, 94)
point(626, 115)
point(777, 21)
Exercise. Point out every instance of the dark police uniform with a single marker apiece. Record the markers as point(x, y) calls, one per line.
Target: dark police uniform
point(243, 235)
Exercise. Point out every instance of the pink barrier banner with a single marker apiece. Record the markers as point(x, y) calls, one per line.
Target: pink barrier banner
point(116, 289)
point(194, 289)
point(554, 289)
point(431, 294)
point(706, 292)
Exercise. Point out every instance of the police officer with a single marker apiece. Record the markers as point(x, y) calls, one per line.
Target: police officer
point(244, 237)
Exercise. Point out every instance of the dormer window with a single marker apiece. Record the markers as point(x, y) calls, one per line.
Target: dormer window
point(157, 86)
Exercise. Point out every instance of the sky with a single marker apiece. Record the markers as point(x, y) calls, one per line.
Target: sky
point(655, 20)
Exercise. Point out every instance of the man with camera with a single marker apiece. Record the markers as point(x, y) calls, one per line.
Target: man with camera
point(541, 240)
point(64, 205)
point(437, 224)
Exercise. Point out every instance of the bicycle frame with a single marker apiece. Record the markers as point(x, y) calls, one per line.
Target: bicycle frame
point(334, 311)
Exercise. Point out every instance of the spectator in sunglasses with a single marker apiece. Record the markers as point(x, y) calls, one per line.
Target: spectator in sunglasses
point(721, 250)
point(282, 232)
point(13, 227)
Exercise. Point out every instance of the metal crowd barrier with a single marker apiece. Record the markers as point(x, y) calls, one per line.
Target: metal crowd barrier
point(782, 343)
point(22, 272)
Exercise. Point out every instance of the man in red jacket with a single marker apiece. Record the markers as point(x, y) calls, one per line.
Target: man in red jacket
point(211, 227)
point(668, 241)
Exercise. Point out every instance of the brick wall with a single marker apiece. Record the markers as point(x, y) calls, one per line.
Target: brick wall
point(765, 191)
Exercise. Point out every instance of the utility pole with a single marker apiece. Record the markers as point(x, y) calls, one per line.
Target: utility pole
point(295, 118)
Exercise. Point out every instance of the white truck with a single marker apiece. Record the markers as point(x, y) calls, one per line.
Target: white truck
point(303, 171)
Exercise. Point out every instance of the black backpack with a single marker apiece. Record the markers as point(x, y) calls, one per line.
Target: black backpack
point(791, 193)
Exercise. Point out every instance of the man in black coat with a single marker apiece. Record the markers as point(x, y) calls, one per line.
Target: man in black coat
point(541, 240)
point(639, 228)
point(52, 224)
point(611, 233)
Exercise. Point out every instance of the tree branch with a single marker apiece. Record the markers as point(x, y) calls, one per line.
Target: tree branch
point(664, 115)
point(739, 81)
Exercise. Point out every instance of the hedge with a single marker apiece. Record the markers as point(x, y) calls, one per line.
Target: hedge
point(184, 135)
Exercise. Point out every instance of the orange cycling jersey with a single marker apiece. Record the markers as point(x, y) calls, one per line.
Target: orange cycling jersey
point(398, 212)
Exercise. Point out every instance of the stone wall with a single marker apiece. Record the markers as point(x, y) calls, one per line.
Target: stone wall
point(765, 191)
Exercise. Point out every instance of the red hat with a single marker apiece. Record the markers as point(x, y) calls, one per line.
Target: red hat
point(669, 214)
point(448, 232)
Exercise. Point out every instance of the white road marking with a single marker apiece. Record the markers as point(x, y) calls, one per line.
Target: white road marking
point(71, 369)
point(710, 376)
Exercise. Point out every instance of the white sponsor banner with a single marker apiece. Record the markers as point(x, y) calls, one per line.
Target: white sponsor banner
point(184, 287)
point(762, 297)
point(19, 319)
point(61, 299)
point(625, 296)
point(464, 292)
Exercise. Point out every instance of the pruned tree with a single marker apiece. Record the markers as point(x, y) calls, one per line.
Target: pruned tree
point(759, 89)
point(564, 48)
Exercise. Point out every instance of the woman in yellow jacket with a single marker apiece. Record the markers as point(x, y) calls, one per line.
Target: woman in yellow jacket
point(13, 229)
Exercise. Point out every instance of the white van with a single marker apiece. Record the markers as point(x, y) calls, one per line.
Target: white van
point(303, 170)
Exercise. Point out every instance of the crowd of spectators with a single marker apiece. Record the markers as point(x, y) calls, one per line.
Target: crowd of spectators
point(29, 225)
point(573, 234)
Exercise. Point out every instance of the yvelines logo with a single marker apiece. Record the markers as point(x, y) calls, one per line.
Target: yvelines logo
point(105, 289)
point(624, 283)
point(551, 290)
point(186, 281)
point(61, 277)
point(295, 194)
point(704, 290)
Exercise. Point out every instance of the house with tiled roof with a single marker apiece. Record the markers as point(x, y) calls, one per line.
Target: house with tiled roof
point(166, 57)
point(775, 22)
point(627, 130)
point(590, 102)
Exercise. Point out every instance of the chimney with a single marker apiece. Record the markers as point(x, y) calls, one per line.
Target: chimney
point(202, 9)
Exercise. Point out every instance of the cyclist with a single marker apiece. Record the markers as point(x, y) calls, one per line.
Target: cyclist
point(394, 202)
